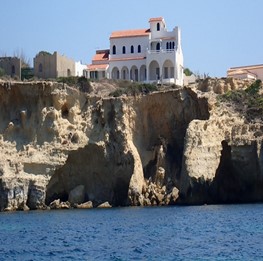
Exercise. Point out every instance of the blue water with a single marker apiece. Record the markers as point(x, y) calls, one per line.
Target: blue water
point(229, 232)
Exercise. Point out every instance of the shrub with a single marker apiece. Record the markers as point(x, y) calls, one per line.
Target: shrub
point(254, 87)
point(2, 72)
point(133, 88)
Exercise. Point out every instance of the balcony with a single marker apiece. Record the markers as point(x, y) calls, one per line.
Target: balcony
point(161, 51)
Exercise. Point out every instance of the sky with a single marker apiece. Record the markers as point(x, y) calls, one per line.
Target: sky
point(216, 34)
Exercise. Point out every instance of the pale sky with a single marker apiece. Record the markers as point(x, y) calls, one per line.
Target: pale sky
point(216, 34)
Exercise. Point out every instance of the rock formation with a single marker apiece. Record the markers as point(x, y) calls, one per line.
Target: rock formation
point(64, 148)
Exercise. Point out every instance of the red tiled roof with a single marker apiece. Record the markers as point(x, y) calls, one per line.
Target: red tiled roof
point(156, 19)
point(130, 33)
point(100, 57)
point(128, 58)
point(95, 67)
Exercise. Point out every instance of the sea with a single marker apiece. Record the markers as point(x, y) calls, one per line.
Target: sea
point(208, 232)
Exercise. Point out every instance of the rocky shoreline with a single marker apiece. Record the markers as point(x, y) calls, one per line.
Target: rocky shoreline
point(63, 148)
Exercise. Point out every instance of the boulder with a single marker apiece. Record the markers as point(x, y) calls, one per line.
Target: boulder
point(104, 205)
point(85, 205)
point(65, 205)
point(174, 195)
point(55, 204)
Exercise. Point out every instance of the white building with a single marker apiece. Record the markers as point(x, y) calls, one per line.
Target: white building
point(144, 55)
point(80, 69)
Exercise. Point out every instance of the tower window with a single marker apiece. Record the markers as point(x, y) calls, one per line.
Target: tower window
point(40, 68)
point(123, 50)
point(13, 70)
point(139, 49)
point(114, 49)
point(158, 27)
point(132, 49)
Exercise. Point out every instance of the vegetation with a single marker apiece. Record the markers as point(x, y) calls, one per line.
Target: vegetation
point(81, 82)
point(250, 99)
point(133, 88)
point(188, 72)
point(2, 72)
point(25, 61)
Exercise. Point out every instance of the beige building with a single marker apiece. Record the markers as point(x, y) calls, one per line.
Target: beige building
point(52, 66)
point(246, 72)
point(11, 66)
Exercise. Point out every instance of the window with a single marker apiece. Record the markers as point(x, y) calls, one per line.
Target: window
point(167, 46)
point(132, 49)
point(40, 68)
point(139, 48)
point(114, 49)
point(158, 46)
point(123, 49)
point(13, 70)
point(158, 26)
point(157, 73)
point(173, 45)
point(166, 72)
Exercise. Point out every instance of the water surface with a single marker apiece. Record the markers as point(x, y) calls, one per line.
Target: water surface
point(218, 232)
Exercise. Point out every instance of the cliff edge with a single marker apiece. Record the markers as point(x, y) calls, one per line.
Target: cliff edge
point(176, 146)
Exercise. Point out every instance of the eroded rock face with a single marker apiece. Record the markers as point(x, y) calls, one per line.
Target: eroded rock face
point(222, 162)
point(63, 148)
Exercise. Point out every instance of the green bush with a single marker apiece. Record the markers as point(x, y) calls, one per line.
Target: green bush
point(81, 82)
point(133, 88)
point(254, 87)
point(2, 72)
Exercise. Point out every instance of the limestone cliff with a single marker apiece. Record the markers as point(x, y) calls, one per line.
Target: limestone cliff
point(167, 147)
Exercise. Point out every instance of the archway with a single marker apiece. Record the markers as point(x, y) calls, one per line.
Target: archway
point(143, 73)
point(115, 73)
point(134, 75)
point(154, 71)
point(124, 73)
point(168, 69)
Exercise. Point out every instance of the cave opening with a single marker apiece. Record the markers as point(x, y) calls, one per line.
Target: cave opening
point(64, 111)
point(227, 185)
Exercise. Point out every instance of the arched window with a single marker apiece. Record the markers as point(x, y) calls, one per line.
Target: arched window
point(158, 46)
point(167, 45)
point(13, 70)
point(40, 68)
point(170, 45)
point(139, 49)
point(132, 49)
point(158, 26)
point(123, 49)
point(114, 49)
point(173, 45)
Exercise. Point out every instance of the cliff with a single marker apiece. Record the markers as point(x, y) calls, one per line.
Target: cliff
point(175, 146)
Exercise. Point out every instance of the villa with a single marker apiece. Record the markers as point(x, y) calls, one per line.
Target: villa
point(143, 55)
point(246, 72)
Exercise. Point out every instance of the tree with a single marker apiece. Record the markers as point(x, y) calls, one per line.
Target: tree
point(2, 72)
point(25, 62)
point(188, 72)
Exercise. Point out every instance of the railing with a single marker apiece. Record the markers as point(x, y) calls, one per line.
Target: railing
point(161, 51)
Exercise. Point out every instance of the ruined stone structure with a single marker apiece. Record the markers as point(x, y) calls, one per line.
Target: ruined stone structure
point(52, 66)
point(11, 66)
